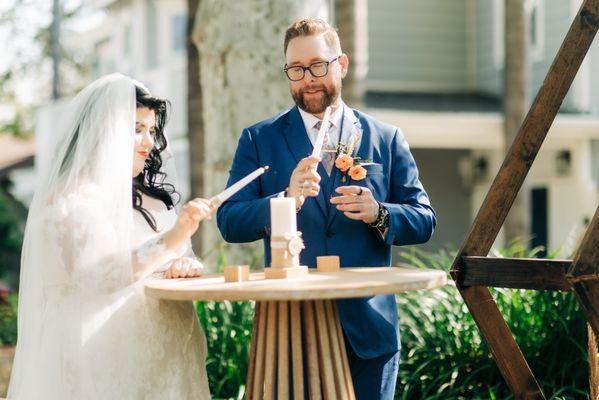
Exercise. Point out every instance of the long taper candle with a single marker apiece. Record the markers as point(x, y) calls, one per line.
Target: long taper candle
point(237, 186)
point(324, 125)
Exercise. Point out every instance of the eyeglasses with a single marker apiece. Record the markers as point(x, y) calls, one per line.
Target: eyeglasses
point(317, 69)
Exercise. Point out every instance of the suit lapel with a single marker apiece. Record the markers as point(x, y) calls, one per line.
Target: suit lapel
point(300, 146)
point(349, 125)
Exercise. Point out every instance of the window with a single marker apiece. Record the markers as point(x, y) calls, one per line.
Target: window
point(498, 33)
point(535, 12)
point(179, 32)
point(536, 26)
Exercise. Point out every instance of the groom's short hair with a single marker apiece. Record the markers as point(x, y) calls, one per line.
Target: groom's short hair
point(313, 26)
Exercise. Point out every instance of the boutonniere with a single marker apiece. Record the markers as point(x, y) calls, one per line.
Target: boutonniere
point(348, 164)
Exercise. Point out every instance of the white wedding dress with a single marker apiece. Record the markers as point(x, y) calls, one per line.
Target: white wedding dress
point(174, 356)
point(114, 345)
point(86, 330)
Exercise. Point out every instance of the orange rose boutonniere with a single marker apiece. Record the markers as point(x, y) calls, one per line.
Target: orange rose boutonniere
point(344, 162)
point(348, 164)
point(357, 172)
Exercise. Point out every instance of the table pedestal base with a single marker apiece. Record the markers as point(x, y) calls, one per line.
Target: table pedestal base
point(296, 339)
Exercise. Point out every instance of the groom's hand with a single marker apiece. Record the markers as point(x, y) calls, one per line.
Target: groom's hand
point(305, 181)
point(357, 203)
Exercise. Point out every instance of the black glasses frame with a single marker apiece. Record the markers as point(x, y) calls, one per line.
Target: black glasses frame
point(309, 68)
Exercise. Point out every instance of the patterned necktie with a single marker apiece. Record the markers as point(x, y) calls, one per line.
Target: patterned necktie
point(328, 149)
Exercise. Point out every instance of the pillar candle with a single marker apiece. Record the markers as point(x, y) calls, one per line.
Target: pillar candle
point(282, 216)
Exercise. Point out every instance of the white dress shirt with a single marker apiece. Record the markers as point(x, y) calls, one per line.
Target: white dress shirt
point(335, 119)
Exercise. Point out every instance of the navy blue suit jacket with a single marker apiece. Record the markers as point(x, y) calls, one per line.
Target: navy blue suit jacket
point(370, 324)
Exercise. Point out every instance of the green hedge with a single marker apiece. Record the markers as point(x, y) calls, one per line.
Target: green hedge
point(8, 321)
point(12, 223)
point(445, 357)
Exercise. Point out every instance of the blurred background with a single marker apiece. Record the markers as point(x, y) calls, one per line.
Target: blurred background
point(457, 76)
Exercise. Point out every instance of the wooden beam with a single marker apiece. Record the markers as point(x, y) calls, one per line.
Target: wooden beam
point(586, 257)
point(516, 273)
point(507, 354)
point(503, 191)
point(584, 274)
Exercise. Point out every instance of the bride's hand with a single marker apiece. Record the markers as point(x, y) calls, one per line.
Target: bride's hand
point(190, 216)
point(184, 267)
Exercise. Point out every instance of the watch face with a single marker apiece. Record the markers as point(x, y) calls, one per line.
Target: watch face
point(295, 246)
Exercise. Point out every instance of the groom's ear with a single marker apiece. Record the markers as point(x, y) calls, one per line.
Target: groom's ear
point(344, 63)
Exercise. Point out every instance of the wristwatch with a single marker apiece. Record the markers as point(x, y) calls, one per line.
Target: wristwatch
point(382, 218)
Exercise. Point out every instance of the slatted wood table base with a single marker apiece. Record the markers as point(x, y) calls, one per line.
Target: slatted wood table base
point(298, 343)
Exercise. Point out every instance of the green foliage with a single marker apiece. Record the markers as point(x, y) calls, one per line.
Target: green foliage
point(444, 356)
point(8, 321)
point(11, 239)
point(19, 126)
point(228, 328)
point(30, 58)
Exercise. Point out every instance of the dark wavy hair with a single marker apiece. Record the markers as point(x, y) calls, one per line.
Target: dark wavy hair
point(151, 181)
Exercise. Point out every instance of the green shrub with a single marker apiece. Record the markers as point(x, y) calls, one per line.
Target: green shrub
point(228, 328)
point(444, 356)
point(12, 222)
point(8, 321)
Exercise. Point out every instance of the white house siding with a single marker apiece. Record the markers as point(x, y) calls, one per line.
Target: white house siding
point(572, 196)
point(418, 46)
point(489, 68)
point(593, 65)
point(558, 17)
point(449, 194)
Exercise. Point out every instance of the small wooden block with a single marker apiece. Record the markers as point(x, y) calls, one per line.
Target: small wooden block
point(328, 264)
point(284, 273)
point(237, 273)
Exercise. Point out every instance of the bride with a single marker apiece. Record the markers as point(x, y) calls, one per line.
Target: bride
point(93, 236)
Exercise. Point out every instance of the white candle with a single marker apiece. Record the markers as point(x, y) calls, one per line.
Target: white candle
point(236, 187)
point(282, 216)
point(324, 125)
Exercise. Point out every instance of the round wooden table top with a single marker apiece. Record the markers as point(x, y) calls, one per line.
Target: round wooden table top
point(346, 283)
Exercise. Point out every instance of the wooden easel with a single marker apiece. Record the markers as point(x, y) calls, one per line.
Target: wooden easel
point(473, 271)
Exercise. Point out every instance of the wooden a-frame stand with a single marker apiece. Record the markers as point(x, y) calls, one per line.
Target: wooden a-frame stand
point(474, 272)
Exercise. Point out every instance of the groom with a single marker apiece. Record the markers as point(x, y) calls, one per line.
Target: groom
point(340, 213)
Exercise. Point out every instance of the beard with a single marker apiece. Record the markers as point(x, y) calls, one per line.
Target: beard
point(317, 104)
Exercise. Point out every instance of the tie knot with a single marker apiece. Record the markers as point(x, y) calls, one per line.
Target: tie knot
point(319, 124)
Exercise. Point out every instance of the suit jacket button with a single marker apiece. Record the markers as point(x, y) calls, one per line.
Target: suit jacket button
point(330, 233)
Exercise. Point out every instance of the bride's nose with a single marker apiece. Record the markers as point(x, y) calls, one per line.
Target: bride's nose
point(147, 140)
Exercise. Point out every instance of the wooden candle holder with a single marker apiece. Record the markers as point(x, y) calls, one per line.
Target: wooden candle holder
point(328, 264)
point(237, 273)
point(284, 257)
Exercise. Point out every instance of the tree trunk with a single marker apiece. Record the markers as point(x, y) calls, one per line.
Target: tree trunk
point(241, 62)
point(351, 20)
point(55, 48)
point(195, 119)
point(516, 102)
